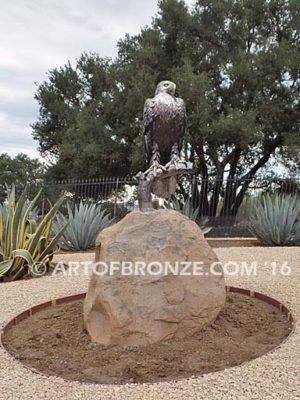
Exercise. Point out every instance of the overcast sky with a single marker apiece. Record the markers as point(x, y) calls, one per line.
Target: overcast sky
point(38, 35)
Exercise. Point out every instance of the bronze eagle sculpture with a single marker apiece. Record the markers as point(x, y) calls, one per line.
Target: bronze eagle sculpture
point(164, 127)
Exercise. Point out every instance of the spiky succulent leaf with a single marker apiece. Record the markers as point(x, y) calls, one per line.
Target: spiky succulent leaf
point(26, 242)
point(276, 220)
point(186, 208)
point(84, 222)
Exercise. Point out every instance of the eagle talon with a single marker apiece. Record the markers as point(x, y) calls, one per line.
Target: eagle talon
point(155, 168)
point(176, 164)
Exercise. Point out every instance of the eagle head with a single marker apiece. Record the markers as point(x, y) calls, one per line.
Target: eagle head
point(166, 87)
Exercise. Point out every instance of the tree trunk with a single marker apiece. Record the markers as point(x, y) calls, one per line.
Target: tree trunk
point(233, 197)
point(235, 188)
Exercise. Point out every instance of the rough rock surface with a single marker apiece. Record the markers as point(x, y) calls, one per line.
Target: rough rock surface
point(134, 310)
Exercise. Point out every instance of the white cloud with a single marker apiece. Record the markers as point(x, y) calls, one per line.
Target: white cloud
point(38, 35)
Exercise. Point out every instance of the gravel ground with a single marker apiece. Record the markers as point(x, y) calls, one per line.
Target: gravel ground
point(276, 375)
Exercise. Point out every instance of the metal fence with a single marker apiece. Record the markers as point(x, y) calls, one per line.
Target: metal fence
point(117, 194)
point(217, 201)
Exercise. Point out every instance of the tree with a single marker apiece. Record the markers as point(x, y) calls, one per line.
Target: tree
point(236, 63)
point(74, 124)
point(248, 71)
point(20, 170)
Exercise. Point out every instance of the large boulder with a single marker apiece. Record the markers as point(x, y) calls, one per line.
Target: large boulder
point(177, 292)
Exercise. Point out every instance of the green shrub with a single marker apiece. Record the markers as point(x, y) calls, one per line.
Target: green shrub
point(25, 244)
point(84, 223)
point(276, 222)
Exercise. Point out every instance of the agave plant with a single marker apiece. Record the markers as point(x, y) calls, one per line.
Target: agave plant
point(34, 213)
point(186, 208)
point(25, 244)
point(84, 224)
point(277, 220)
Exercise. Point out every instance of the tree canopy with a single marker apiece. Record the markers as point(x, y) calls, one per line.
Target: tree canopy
point(236, 64)
point(19, 170)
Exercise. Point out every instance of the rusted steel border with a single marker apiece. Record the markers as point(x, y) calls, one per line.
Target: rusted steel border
point(68, 299)
point(267, 299)
point(35, 309)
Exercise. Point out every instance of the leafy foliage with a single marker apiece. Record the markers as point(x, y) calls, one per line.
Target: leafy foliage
point(240, 79)
point(277, 220)
point(25, 244)
point(75, 121)
point(20, 170)
point(84, 222)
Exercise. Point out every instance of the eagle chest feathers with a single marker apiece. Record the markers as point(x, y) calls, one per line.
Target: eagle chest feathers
point(164, 120)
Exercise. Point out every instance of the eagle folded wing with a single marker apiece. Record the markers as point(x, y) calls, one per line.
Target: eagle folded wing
point(182, 120)
point(148, 120)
